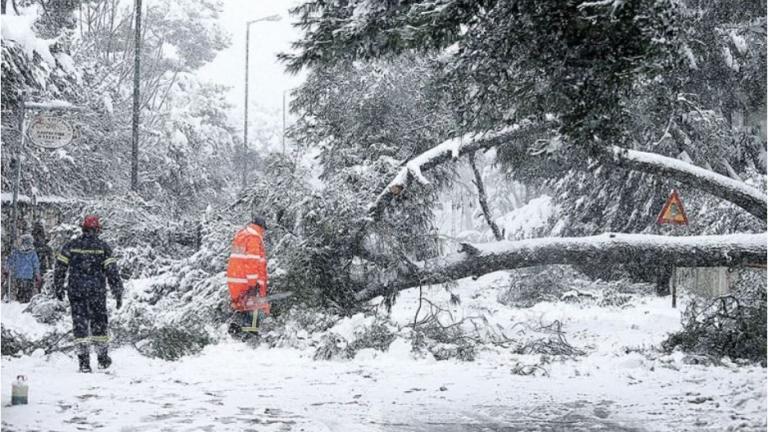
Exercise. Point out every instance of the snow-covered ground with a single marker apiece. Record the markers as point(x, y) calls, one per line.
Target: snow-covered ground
point(622, 384)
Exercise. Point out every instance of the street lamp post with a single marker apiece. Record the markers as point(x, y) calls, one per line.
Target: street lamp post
point(245, 113)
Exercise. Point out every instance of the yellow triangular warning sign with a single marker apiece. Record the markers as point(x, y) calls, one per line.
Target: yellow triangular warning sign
point(673, 211)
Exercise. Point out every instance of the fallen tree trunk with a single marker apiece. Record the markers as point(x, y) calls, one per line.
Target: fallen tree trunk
point(650, 250)
point(747, 197)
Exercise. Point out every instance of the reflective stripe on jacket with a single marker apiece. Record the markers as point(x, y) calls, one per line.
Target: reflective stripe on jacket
point(247, 267)
point(90, 264)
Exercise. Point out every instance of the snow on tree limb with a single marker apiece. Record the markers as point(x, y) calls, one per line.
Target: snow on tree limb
point(747, 197)
point(648, 250)
point(449, 150)
point(737, 192)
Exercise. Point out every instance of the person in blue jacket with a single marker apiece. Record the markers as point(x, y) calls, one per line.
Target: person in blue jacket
point(23, 266)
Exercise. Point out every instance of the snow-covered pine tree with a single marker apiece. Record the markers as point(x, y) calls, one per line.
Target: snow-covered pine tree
point(592, 74)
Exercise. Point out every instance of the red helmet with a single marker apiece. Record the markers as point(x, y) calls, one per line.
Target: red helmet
point(91, 222)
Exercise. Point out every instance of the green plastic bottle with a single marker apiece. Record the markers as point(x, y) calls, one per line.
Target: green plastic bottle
point(20, 391)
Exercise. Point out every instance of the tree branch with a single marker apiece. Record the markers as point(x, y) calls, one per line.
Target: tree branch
point(747, 197)
point(483, 199)
point(648, 250)
point(449, 150)
point(737, 192)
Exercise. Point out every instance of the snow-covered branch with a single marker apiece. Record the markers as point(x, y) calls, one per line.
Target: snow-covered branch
point(647, 250)
point(449, 150)
point(747, 197)
point(735, 191)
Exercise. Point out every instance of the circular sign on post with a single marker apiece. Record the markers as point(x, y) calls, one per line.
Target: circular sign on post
point(50, 132)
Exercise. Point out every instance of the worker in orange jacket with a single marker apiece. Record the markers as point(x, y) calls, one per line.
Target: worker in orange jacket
point(247, 275)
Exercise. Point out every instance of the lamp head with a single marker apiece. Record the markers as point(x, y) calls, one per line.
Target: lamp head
point(275, 17)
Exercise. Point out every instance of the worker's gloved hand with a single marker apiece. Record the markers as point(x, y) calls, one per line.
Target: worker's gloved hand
point(119, 302)
point(38, 282)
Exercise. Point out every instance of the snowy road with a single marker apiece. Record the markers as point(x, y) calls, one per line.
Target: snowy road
point(235, 387)
point(232, 387)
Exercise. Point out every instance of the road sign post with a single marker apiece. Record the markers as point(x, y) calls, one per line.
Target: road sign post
point(673, 213)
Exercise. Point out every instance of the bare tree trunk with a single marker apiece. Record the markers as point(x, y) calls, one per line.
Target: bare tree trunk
point(481, 196)
point(647, 250)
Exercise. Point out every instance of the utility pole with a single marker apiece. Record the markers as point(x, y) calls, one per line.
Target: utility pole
point(17, 170)
point(136, 100)
point(244, 158)
point(283, 122)
point(16, 184)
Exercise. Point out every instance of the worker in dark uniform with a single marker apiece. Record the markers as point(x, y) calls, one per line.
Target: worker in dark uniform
point(90, 262)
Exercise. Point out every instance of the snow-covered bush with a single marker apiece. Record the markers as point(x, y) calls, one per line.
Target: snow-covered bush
point(297, 327)
point(551, 283)
point(534, 285)
point(443, 342)
point(162, 325)
point(352, 334)
point(47, 310)
point(13, 342)
point(377, 336)
point(172, 342)
point(733, 325)
point(17, 341)
point(612, 297)
point(333, 347)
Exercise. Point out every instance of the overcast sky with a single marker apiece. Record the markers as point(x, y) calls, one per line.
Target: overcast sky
point(268, 78)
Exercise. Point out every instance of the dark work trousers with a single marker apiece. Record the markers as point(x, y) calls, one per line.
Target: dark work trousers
point(89, 312)
point(24, 288)
point(246, 318)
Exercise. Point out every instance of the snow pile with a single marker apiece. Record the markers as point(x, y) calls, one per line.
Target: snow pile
point(43, 324)
point(16, 320)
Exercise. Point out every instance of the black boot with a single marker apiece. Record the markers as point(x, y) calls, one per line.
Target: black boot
point(85, 362)
point(102, 355)
point(104, 360)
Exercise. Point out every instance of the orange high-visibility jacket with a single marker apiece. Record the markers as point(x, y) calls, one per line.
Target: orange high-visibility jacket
point(247, 267)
